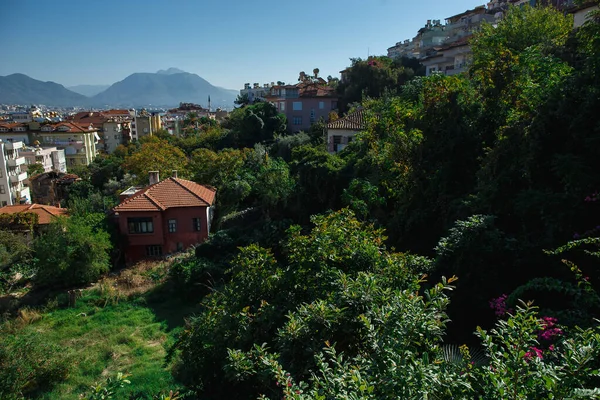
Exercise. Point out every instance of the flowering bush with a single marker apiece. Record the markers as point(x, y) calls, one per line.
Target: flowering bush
point(517, 367)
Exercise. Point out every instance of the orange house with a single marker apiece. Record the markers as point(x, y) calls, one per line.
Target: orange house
point(165, 217)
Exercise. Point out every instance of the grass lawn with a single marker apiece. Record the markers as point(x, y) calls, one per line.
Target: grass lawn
point(124, 337)
point(110, 332)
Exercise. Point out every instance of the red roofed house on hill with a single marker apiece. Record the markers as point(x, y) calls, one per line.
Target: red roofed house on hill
point(165, 217)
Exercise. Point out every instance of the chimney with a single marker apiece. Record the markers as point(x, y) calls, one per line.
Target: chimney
point(174, 175)
point(153, 177)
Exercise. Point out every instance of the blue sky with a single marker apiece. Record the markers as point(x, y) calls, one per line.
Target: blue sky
point(226, 42)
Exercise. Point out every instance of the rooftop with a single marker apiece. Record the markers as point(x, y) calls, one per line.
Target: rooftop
point(354, 122)
point(169, 193)
point(45, 213)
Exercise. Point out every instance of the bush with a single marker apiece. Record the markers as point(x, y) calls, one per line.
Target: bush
point(71, 252)
point(29, 364)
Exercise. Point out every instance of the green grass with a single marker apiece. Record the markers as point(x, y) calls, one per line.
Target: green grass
point(128, 337)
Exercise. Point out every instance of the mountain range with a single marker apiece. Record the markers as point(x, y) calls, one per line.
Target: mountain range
point(161, 89)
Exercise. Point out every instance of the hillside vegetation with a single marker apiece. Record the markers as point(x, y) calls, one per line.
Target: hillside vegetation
point(450, 251)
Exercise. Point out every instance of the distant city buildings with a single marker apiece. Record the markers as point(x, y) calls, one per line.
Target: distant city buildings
point(78, 142)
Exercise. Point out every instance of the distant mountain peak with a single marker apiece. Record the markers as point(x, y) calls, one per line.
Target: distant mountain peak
point(170, 71)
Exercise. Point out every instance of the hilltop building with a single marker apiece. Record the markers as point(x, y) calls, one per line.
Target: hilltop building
point(304, 103)
point(444, 48)
point(256, 92)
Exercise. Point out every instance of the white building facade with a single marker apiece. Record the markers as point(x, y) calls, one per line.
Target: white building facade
point(12, 177)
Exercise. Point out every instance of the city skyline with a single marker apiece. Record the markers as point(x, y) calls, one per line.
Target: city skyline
point(263, 41)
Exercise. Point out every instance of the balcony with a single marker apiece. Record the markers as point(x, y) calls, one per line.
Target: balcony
point(16, 178)
point(15, 162)
point(13, 145)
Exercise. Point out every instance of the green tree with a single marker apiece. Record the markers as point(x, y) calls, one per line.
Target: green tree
point(254, 124)
point(35, 169)
point(71, 252)
point(242, 100)
point(374, 77)
point(316, 291)
point(156, 156)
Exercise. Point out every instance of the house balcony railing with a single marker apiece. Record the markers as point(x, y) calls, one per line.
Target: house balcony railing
point(16, 178)
point(15, 162)
point(13, 145)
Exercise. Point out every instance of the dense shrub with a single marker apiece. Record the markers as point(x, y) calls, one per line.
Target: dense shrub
point(29, 364)
point(71, 252)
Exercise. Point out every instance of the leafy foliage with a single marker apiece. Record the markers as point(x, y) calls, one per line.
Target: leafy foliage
point(29, 364)
point(71, 252)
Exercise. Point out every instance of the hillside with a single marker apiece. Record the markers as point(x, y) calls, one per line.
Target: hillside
point(164, 89)
point(21, 89)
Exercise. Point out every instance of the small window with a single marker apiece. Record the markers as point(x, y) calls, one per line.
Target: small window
point(321, 105)
point(297, 106)
point(282, 106)
point(172, 225)
point(154, 251)
point(297, 120)
point(334, 105)
point(197, 224)
point(2, 189)
point(179, 246)
point(140, 225)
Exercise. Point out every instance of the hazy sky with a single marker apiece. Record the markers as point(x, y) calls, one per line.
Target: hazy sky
point(226, 42)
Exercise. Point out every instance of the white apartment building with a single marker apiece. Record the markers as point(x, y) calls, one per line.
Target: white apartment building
point(112, 133)
point(256, 92)
point(51, 158)
point(12, 177)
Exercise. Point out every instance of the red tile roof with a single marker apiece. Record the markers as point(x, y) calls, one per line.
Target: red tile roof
point(315, 89)
point(45, 212)
point(117, 112)
point(169, 193)
point(352, 122)
point(73, 127)
point(11, 125)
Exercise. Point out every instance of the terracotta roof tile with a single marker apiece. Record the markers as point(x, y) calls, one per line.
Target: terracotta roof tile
point(45, 212)
point(171, 192)
point(353, 122)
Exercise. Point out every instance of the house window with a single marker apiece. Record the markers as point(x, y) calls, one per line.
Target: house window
point(154, 250)
point(197, 224)
point(297, 106)
point(312, 115)
point(179, 246)
point(2, 189)
point(297, 120)
point(172, 225)
point(334, 105)
point(321, 105)
point(282, 106)
point(140, 225)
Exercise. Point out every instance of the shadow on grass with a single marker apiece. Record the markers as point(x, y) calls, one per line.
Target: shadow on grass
point(169, 307)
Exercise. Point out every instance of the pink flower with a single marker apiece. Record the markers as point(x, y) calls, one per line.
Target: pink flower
point(533, 351)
